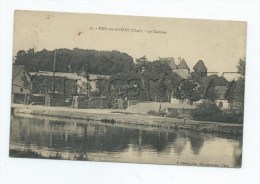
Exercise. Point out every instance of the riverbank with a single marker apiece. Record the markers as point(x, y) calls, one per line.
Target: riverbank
point(34, 152)
point(119, 116)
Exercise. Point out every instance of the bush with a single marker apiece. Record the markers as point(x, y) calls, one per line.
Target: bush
point(154, 113)
point(208, 111)
point(173, 114)
point(161, 113)
point(151, 112)
point(232, 117)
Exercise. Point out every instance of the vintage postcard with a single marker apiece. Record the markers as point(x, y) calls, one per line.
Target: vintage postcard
point(128, 89)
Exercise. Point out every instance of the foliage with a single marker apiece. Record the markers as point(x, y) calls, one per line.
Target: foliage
point(154, 81)
point(152, 112)
point(187, 89)
point(208, 111)
point(159, 113)
point(98, 62)
point(237, 89)
point(241, 67)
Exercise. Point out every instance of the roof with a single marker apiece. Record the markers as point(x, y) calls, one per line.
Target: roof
point(167, 59)
point(173, 66)
point(170, 61)
point(73, 76)
point(221, 91)
point(183, 65)
point(93, 76)
point(200, 66)
point(17, 69)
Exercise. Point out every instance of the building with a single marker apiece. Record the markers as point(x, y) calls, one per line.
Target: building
point(200, 69)
point(66, 83)
point(181, 69)
point(174, 100)
point(59, 88)
point(21, 85)
point(221, 101)
point(92, 79)
point(170, 61)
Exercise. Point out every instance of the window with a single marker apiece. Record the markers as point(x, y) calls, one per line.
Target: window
point(21, 90)
point(220, 104)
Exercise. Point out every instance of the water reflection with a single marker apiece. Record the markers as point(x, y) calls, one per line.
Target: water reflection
point(197, 141)
point(180, 144)
point(106, 142)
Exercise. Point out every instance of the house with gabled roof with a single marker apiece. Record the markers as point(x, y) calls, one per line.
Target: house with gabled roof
point(222, 102)
point(21, 84)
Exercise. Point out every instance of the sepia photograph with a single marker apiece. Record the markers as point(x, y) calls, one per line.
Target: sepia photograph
point(127, 89)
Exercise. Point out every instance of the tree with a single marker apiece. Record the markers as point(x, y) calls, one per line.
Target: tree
point(241, 67)
point(236, 94)
point(208, 85)
point(97, 62)
point(187, 89)
point(207, 111)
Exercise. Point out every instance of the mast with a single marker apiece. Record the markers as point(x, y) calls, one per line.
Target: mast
point(53, 70)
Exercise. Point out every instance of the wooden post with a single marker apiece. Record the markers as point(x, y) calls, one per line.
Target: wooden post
point(53, 77)
point(101, 103)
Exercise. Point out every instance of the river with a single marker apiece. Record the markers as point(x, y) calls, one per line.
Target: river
point(45, 137)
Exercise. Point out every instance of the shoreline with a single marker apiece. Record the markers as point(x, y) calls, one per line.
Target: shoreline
point(120, 117)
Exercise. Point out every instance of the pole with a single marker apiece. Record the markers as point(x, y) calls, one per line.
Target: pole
point(101, 103)
point(54, 66)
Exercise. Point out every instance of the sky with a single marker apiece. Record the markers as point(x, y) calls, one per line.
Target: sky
point(220, 44)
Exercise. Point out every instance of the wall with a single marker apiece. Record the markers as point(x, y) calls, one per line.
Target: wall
point(184, 73)
point(224, 102)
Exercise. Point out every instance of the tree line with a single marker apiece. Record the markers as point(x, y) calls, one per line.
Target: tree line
point(75, 60)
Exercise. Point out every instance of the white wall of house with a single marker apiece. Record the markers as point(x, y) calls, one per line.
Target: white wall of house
point(223, 104)
point(177, 101)
point(184, 73)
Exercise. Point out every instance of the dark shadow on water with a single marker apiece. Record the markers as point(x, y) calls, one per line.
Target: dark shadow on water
point(197, 141)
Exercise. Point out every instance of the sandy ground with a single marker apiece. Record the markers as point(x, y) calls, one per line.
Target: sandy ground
point(144, 107)
point(69, 109)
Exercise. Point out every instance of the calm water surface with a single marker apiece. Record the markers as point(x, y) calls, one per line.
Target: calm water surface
point(86, 140)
